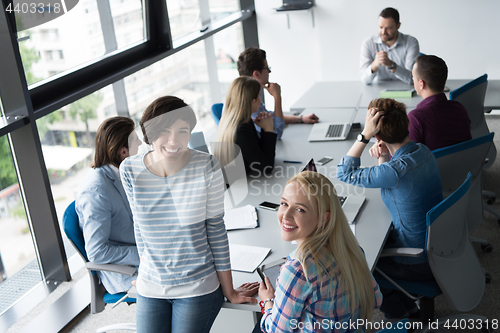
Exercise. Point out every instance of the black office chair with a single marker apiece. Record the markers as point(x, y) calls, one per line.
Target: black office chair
point(99, 296)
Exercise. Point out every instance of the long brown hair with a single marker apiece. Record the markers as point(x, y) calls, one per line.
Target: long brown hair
point(112, 135)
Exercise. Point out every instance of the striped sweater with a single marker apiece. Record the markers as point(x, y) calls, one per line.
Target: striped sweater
point(178, 220)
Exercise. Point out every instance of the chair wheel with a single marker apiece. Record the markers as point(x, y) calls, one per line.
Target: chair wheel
point(487, 277)
point(487, 248)
point(490, 200)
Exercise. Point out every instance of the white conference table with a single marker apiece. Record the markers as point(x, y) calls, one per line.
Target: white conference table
point(372, 223)
point(345, 94)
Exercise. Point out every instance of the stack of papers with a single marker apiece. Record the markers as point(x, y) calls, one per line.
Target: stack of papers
point(241, 218)
point(246, 258)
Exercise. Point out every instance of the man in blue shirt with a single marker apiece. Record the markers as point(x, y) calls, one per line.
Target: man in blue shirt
point(103, 209)
point(252, 62)
point(410, 186)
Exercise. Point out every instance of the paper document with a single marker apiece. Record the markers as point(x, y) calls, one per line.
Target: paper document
point(390, 93)
point(246, 258)
point(241, 218)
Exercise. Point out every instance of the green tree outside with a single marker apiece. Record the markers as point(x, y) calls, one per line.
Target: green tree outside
point(85, 108)
point(8, 175)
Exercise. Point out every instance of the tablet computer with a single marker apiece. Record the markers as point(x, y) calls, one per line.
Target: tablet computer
point(271, 270)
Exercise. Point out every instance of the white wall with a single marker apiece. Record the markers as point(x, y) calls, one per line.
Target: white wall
point(465, 33)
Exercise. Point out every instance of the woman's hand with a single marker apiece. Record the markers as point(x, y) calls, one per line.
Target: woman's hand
point(372, 123)
point(242, 293)
point(379, 149)
point(266, 291)
point(265, 121)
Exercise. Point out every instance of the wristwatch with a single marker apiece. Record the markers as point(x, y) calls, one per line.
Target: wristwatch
point(300, 119)
point(393, 65)
point(361, 138)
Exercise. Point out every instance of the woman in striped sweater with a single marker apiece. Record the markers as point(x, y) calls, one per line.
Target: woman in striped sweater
point(177, 198)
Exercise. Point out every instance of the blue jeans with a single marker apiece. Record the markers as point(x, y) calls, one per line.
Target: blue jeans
point(180, 315)
point(395, 304)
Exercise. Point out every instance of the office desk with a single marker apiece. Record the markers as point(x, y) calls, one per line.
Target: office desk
point(372, 223)
point(344, 94)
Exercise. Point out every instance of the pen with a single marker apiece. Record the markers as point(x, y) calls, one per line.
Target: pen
point(298, 162)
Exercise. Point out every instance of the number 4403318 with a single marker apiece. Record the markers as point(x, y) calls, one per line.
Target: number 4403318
point(33, 8)
point(471, 324)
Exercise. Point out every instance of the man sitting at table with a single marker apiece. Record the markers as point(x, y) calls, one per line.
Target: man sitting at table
point(252, 62)
point(410, 186)
point(436, 122)
point(390, 54)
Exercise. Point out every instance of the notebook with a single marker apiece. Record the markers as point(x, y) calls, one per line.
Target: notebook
point(295, 5)
point(351, 205)
point(335, 131)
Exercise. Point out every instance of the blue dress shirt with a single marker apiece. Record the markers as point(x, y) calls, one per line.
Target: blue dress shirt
point(410, 186)
point(106, 220)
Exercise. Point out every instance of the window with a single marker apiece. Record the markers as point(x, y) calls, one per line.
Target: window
point(77, 44)
point(70, 132)
point(19, 270)
point(186, 16)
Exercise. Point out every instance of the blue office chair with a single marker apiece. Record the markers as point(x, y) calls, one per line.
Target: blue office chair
point(450, 255)
point(455, 162)
point(217, 112)
point(471, 95)
point(99, 296)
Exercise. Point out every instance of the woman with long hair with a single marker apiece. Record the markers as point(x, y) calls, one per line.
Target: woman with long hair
point(237, 131)
point(325, 284)
point(176, 196)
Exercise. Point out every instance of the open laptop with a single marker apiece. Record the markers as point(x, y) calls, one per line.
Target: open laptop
point(295, 5)
point(335, 131)
point(351, 205)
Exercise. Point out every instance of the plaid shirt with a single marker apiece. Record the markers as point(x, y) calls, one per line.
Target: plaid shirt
point(315, 304)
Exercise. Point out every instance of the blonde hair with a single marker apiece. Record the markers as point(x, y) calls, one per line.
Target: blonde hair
point(335, 239)
point(237, 110)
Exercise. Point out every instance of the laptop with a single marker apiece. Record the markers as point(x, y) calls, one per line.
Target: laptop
point(295, 5)
point(351, 205)
point(334, 131)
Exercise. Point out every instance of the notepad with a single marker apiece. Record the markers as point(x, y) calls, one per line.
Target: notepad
point(241, 218)
point(391, 93)
point(246, 258)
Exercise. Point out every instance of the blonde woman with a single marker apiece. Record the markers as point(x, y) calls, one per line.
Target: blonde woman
point(325, 285)
point(237, 127)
